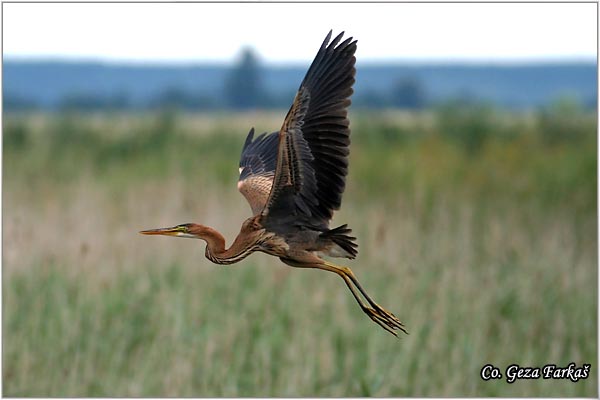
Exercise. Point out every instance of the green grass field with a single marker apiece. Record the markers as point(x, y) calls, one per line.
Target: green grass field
point(477, 228)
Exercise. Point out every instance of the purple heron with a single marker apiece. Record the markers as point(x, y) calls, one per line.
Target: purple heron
point(294, 180)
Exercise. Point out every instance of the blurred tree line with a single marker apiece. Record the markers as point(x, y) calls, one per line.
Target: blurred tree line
point(244, 89)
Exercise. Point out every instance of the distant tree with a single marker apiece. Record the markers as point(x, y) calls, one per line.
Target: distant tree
point(90, 102)
point(371, 99)
point(178, 98)
point(15, 102)
point(243, 88)
point(563, 120)
point(590, 103)
point(408, 93)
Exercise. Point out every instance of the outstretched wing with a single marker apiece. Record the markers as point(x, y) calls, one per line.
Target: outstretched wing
point(257, 169)
point(312, 162)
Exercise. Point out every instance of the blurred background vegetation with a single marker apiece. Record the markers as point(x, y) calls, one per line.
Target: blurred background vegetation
point(477, 226)
point(249, 83)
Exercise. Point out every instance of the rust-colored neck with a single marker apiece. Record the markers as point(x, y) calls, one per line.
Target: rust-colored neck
point(215, 242)
point(215, 247)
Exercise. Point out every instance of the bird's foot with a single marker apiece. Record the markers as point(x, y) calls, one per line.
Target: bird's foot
point(385, 319)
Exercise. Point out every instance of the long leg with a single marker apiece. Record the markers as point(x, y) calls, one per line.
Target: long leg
point(354, 280)
point(378, 314)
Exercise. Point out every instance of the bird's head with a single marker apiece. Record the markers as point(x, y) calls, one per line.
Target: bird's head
point(193, 231)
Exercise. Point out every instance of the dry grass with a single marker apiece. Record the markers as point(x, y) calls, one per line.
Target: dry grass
point(91, 308)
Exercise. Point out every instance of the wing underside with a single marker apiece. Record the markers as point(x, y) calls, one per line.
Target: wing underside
point(257, 169)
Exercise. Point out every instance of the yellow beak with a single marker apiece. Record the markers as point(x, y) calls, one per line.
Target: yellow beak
point(162, 231)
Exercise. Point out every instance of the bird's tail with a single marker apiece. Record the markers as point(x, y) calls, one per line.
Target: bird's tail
point(343, 245)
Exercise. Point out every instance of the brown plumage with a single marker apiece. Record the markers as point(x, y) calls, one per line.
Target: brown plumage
point(294, 179)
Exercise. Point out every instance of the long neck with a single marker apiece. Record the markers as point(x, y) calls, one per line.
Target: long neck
point(215, 248)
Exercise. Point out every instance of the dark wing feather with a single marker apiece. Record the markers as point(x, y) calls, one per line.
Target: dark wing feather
point(257, 169)
point(312, 163)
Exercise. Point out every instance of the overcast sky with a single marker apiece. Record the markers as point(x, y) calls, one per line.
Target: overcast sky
point(284, 33)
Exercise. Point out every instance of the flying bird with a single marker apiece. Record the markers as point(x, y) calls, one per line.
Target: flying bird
point(294, 179)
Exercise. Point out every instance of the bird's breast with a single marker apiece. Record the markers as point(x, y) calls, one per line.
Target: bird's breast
point(274, 245)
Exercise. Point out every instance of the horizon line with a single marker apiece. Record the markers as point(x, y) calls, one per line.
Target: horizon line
point(517, 61)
